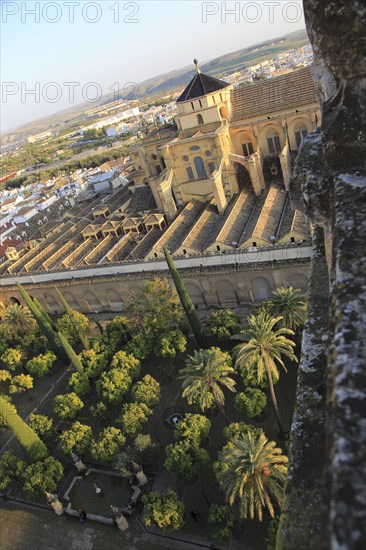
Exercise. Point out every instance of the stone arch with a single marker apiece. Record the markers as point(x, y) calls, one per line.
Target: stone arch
point(261, 289)
point(14, 300)
point(72, 301)
point(244, 142)
point(298, 281)
point(199, 119)
point(226, 293)
point(242, 176)
point(196, 295)
point(270, 131)
point(92, 301)
point(114, 299)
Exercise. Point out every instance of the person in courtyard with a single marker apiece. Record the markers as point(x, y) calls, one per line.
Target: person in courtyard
point(82, 515)
point(195, 515)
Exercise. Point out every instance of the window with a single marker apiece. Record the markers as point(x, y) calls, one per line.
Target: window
point(248, 149)
point(185, 158)
point(254, 244)
point(300, 133)
point(200, 168)
point(158, 169)
point(190, 173)
point(200, 102)
point(221, 96)
point(217, 248)
point(192, 105)
point(199, 119)
point(292, 239)
point(195, 148)
point(154, 157)
point(213, 99)
point(208, 153)
point(162, 162)
point(273, 140)
point(184, 251)
point(211, 167)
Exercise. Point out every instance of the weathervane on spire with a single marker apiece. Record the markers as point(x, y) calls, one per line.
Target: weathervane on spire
point(195, 61)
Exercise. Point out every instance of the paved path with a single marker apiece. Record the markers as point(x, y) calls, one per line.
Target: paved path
point(37, 529)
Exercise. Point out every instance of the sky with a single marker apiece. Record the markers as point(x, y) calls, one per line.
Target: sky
point(56, 54)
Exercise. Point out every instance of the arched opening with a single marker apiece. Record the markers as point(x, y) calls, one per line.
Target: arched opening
point(115, 300)
point(52, 303)
point(273, 141)
point(272, 170)
point(72, 301)
point(242, 177)
point(14, 300)
point(226, 294)
point(93, 302)
point(300, 132)
point(261, 289)
point(200, 168)
point(196, 295)
point(199, 119)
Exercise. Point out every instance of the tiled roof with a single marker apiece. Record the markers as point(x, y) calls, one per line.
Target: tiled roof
point(201, 84)
point(203, 128)
point(284, 92)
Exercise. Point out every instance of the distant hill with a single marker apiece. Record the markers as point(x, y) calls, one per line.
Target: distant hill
point(176, 79)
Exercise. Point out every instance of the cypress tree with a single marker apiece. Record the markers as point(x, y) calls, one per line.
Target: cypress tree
point(71, 313)
point(185, 300)
point(74, 358)
point(34, 447)
point(43, 312)
point(43, 324)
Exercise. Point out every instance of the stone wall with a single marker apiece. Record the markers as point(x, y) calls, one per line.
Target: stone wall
point(331, 177)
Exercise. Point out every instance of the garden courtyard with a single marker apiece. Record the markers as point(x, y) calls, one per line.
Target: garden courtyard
point(126, 406)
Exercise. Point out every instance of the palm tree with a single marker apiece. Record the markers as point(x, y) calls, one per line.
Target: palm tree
point(287, 303)
point(206, 372)
point(253, 470)
point(17, 320)
point(263, 349)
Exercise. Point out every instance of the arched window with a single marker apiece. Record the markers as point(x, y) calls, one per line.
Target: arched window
point(273, 140)
point(199, 119)
point(200, 168)
point(300, 132)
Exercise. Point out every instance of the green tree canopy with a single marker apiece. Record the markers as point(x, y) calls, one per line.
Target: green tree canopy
point(251, 402)
point(127, 362)
point(164, 511)
point(253, 471)
point(11, 468)
point(207, 371)
point(133, 418)
point(262, 350)
point(66, 325)
point(68, 405)
point(224, 324)
point(185, 459)
point(77, 439)
point(17, 321)
point(41, 365)
point(42, 425)
point(116, 334)
point(42, 476)
point(113, 385)
point(287, 303)
point(192, 428)
point(146, 391)
point(109, 443)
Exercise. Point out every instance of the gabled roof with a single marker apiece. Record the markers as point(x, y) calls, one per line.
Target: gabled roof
point(200, 85)
point(281, 93)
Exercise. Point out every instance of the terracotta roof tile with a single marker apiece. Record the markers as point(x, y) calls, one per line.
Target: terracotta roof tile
point(274, 94)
